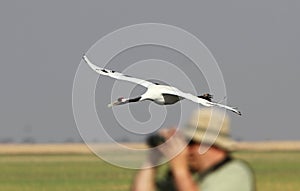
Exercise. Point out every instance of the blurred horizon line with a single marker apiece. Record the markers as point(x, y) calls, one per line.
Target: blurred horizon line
point(82, 148)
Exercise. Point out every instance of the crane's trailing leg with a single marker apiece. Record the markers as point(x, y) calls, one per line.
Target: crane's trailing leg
point(233, 109)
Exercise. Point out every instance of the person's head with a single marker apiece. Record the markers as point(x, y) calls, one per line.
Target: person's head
point(207, 131)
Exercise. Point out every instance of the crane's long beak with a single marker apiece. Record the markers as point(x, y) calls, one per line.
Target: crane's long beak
point(113, 104)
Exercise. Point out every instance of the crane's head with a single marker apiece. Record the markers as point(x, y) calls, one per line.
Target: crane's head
point(122, 99)
point(119, 101)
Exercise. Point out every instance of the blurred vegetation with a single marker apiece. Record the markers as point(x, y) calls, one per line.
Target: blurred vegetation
point(77, 172)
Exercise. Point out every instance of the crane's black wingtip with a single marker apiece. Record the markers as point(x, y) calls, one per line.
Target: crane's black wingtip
point(237, 111)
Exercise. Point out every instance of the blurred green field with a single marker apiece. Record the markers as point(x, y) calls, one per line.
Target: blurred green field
point(77, 172)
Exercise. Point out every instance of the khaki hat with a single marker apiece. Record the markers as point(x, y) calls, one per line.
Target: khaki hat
point(210, 126)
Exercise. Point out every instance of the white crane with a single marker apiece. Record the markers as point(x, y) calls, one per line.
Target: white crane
point(160, 94)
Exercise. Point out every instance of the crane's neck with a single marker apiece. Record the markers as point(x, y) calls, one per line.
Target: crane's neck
point(134, 99)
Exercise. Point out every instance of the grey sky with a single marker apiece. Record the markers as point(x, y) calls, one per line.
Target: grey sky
point(256, 44)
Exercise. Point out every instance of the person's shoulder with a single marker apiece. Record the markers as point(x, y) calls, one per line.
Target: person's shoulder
point(234, 175)
point(239, 162)
point(240, 172)
point(239, 165)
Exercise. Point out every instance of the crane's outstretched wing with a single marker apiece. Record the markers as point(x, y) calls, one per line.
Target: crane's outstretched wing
point(202, 101)
point(116, 75)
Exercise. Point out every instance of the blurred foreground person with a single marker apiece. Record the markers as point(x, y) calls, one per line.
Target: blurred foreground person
point(190, 169)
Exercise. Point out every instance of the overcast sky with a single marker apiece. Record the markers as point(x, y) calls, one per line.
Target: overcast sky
point(255, 43)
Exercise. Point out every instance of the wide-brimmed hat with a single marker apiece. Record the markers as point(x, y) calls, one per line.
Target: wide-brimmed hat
point(210, 126)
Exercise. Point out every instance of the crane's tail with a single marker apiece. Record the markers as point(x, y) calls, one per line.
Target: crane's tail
point(233, 109)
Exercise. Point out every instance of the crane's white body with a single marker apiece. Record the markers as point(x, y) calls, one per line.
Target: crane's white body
point(160, 94)
point(154, 93)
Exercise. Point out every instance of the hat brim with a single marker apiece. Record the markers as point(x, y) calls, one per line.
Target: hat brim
point(217, 140)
